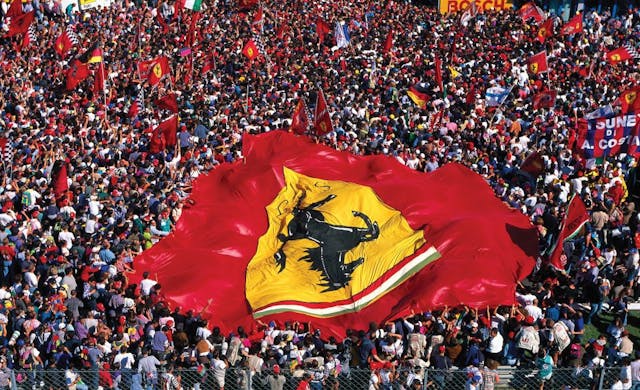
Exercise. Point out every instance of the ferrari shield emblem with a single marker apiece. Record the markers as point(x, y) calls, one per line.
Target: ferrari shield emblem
point(331, 247)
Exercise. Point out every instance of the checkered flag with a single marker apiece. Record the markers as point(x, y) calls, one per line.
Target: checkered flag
point(7, 152)
point(72, 36)
point(257, 38)
point(632, 51)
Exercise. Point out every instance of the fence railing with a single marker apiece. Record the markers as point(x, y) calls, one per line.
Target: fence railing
point(352, 379)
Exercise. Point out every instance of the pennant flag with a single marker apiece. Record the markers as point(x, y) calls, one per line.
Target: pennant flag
point(342, 35)
point(65, 42)
point(388, 43)
point(168, 102)
point(533, 164)
point(630, 100)
point(77, 72)
point(158, 69)
point(321, 118)
point(300, 119)
point(575, 218)
point(315, 234)
point(600, 112)
point(59, 179)
point(438, 62)
point(15, 9)
point(194, 5)
point(169, 130)
point(454, 72)
point(250, 50)
point(419, 94)
point(18, 25)
point(545, 31)
point(531, 10)
point(495, 96)
point(538, 63)
point(98, 80)
point(623, 53)
point(573, 26)
point(545, 99)
point(322, 29)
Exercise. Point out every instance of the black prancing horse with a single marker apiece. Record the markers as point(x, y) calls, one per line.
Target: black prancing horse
point(333, 242)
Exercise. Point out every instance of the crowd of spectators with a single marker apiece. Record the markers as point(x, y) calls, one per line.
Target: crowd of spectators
point(66, 300)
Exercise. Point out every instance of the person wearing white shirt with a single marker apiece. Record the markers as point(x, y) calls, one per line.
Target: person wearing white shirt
point(146, 284)
point(534, 311)
point(496, 344)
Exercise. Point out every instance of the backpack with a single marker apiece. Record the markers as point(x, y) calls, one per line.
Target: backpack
point(561, 336)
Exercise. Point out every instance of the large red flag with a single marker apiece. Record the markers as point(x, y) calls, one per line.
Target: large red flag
point(533, 164)
point(300, 119)
point(314, 234)
point(630, 100)
point(322, 28)
point(169, 130)
point(158, 69)
point(545, 99)
point(77, 72)
point(168, 102)
point(538, 63)
point(388, 43)
point(531, 10)
point(250, 50)
point(242, 4)
point(620, 54)
point(65, 42)
point(15, 9)
point(98, 80)
point(59, 179)
point(573, 26)
point(321, 118)
point(20, 24)
point(545, 31)
point(575, 218)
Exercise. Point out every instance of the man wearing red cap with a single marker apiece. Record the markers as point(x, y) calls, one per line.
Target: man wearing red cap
point(276, 379)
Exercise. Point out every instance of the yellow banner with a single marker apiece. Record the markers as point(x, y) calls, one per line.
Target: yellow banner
point(447, 6)
point(330, 248)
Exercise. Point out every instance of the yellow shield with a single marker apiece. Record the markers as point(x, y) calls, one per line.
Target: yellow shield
point(616, 57)
point(250, 52)
point(157, 70)
point(630, 97)
point(542, 32)
point(533, 67)
point(332, 247)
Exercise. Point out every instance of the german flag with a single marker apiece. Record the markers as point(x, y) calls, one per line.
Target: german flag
point(93, 55)
point(419, 93)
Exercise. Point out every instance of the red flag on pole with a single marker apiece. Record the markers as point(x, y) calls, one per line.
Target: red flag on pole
point(158, 69)
point(538, 63)
point(20, 24)
point(388, 43)
point(545, 31)
point(169, 130)
point(394, 248)
point(573, 26)
point(300, 119)
point(322, 120)
point(630, 100)
point(65, 42)
point(533, 164)
point(439, 74)
point(250, 50)
point(575, 218)
point(15, 9)
point(168, 102)
point(163, 23)
point(322, 28)
point(59, 179)
point(98, 79)
point(545, 99)
point(531, 10)
point(77, 72)
point(623, 53)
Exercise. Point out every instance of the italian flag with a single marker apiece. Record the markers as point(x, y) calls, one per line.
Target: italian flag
point(193, 5)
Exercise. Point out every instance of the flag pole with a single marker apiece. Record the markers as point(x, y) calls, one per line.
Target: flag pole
point(500, 105)
point(104, 84)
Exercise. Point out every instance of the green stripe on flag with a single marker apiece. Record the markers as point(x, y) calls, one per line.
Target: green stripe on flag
point(194, 5)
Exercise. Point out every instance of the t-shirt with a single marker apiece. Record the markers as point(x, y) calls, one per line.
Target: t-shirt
point(545, 365)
